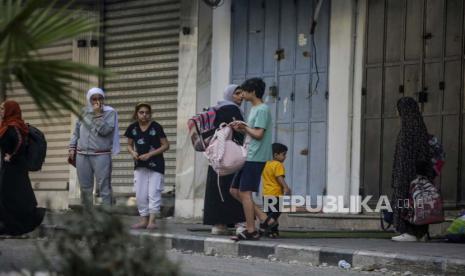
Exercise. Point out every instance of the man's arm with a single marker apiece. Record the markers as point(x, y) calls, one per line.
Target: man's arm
point(255, 133)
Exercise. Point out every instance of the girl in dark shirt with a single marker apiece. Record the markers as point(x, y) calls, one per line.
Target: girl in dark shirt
point(217, 213)
point(18, 205)
point(146, 143)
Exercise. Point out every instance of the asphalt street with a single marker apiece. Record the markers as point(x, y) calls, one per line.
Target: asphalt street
point(17, 254)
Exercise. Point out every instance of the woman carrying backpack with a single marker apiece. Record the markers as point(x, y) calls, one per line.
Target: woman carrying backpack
point(18, 205)
point(146, 143)
point(217, 213)
point(411, 146)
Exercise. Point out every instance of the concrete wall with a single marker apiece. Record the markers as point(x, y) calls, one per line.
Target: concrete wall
point(193, 94)
point(221, 50)
point(204, 62)
point(344, 110)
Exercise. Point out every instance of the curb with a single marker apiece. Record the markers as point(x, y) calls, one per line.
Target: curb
point(365, 260)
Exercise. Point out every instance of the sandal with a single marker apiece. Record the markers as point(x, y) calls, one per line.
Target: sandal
point(246, 236)
point(274, 233)
point(266, 228)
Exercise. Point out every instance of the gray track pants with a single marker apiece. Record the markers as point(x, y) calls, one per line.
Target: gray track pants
point(87, 167)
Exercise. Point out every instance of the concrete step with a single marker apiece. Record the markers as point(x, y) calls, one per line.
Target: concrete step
point(344, 222)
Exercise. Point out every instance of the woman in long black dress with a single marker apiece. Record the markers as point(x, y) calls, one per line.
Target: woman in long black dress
point(216, 212)
point(412, 146)
point(18, 205)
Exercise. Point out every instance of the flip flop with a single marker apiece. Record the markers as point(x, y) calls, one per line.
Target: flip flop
point(246, 236)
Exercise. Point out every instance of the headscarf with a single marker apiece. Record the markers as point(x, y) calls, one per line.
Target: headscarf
point(12, 117)
point(413, 131)
point(411, 146)
point(228, 97)
point(116, 146)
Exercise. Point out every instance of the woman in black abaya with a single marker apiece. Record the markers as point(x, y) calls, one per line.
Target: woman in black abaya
point(412, 146)
point(18, 205)
point(217, 213)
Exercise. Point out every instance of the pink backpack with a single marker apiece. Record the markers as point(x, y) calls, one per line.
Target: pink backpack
point(425, 203)
point(224, 155)
point(201, 128)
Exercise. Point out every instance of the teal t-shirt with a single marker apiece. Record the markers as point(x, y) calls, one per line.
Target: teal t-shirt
point(260, 150)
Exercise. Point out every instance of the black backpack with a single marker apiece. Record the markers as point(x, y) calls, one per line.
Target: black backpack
point(36, 149)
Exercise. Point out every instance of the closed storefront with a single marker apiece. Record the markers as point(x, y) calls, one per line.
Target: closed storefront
point(414, 48)
point(141, 46)
point(272, 40)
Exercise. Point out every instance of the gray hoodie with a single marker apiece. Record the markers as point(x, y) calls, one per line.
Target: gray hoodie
point(93, 134)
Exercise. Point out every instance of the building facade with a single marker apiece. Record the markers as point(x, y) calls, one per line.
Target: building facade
point(332, 93)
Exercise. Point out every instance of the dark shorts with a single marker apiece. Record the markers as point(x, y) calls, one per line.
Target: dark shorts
point(249, 177)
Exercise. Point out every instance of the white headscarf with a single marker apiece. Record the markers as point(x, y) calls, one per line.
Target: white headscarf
point(228, 97)
point(116, 147)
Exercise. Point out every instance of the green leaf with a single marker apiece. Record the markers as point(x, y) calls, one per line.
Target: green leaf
point(25, 28)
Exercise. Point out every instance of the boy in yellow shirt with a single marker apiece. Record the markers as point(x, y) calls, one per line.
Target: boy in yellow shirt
point(274, 185)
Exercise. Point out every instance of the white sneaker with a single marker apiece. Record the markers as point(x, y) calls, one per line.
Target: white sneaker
point(240, 227)
point(405, 238)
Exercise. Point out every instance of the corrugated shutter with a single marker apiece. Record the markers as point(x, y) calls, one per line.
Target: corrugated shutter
point(141, 45)
point(52, 181)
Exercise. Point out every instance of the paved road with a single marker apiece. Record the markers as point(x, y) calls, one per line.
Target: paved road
point(23, 253)
point(201, 265)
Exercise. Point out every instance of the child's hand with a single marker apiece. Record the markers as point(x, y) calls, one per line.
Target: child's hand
point(135, 155)
point(238, 125)
point(144, 157)
point(287, 191)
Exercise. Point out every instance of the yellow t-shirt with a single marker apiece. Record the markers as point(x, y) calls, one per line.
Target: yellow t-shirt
point(272, 170)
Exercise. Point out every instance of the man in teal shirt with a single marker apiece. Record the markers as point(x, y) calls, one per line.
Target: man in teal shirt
point(247, 180)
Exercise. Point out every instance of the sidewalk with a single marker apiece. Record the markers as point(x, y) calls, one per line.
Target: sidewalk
point(432, 257)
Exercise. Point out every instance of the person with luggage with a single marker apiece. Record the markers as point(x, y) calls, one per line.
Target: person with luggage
point(411, 146)
point(220, 212)
point(146, 143)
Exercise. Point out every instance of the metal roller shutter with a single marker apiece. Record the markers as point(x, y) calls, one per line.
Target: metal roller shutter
point(52, 181)
point(141, 45)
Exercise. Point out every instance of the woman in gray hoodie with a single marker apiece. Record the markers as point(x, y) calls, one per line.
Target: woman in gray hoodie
point(95, 139)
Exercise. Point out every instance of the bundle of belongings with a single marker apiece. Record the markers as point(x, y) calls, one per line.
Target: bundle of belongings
point(456, 231)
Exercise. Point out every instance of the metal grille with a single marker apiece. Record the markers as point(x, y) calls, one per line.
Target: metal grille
point(141, 45)
point(413, 48)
